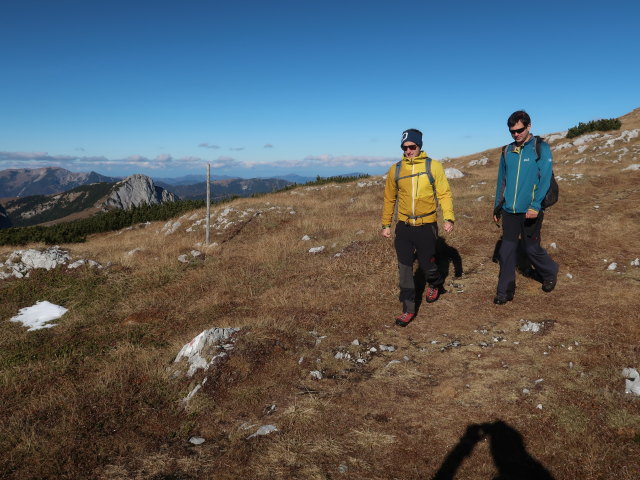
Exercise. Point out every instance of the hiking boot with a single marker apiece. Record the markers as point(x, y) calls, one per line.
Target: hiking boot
point(433, 293)
point(404, 319)
point(549, 284)
point(501, 300)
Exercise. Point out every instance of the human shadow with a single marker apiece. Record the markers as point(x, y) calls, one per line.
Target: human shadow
point(507, 448)
point(523, 264)
point(445, 256)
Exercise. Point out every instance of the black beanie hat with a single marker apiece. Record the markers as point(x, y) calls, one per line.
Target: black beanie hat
point(412, 135)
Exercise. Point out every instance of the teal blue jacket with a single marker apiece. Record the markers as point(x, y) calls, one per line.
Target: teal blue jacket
point(523, 182)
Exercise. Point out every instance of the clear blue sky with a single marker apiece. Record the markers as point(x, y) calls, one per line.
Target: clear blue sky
point(259, 88)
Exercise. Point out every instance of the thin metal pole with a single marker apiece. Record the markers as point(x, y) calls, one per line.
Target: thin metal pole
point(206, 241)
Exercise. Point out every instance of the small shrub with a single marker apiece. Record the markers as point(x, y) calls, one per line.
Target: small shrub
point(594, 126)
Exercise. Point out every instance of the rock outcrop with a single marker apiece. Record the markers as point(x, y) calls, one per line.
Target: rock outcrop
point(135, 191)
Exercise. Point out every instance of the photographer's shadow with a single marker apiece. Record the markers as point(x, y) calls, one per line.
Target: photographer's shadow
point(507, 448)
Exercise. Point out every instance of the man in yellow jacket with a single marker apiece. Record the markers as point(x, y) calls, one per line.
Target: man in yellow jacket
point(417, 184)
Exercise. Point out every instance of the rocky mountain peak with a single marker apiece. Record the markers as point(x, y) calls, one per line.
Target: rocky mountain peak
point(137, 190)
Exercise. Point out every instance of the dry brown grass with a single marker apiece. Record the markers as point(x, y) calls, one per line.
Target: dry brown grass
point(92, 398)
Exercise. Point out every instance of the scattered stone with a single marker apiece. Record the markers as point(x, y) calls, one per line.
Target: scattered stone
point(530, 326)
point(183, 258)
point(196, 440)
point(635, 263)
point(539, 406)
point(393, 362)
point(632, 382)
point(263, 430)
point(612, 266)
point(81, 262)
point(453, 173)
point(526, 391)
point(306, 238)
point(553, 245)
point(316, 249)
point(207, 348)
point(133, 252)
point(569, 276)
point(342, 468)
point(356, 342)
point(316, 374)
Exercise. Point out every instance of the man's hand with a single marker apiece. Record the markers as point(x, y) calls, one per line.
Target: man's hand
point(386, 232)
point(496, 219)
point(531, 214)
point(448, 226)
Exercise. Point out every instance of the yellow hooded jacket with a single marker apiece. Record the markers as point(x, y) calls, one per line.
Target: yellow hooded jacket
point(415, 194)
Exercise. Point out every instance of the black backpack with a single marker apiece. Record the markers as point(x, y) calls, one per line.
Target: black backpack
point(552, 194)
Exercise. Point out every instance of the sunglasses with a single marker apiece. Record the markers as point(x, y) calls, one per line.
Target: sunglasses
point(517, 130)
point(408, 147)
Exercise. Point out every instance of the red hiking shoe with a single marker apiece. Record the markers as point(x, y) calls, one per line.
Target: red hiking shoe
point(404, 319)
point(433, 293)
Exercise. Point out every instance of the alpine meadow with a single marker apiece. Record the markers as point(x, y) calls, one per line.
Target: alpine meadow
point(315, 381)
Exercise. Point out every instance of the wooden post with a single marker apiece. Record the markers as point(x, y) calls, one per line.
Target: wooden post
point(206, 240)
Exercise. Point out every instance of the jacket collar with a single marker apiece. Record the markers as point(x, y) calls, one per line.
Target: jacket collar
point(421, 158)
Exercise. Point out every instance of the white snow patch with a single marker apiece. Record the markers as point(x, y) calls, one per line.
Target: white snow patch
point(36, 316)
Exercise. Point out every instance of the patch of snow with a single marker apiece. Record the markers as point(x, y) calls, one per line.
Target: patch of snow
point(453, 173)
point(37, 316)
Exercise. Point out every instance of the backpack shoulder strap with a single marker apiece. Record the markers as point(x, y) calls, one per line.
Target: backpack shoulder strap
point(398, 165)
point(427, 167)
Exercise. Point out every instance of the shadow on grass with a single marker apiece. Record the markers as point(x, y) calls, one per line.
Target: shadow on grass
point(523, 264)
point(507, 447)
point(446, 255)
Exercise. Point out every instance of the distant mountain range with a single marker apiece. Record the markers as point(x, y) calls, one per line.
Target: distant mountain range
point(22, 182)
point(82, 202)
point(227, 188)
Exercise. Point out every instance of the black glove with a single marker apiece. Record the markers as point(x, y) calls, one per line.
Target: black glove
point(497, 212)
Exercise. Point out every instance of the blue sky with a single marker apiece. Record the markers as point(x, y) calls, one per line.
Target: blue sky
point(259, 88)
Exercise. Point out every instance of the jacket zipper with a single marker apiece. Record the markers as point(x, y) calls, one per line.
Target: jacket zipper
point(515, 193)
point(413, 198)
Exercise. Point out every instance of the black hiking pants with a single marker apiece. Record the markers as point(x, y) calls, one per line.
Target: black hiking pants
point(410, 242)
point(514, 227)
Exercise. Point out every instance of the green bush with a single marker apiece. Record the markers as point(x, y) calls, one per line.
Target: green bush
point(594, 126)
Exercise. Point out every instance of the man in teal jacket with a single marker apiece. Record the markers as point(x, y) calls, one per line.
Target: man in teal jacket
point(523, 182)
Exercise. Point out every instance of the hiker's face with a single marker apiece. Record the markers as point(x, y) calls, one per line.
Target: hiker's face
point(408, 152)
point(520, 132)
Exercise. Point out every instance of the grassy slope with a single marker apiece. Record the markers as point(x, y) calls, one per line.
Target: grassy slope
point(91, 398)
